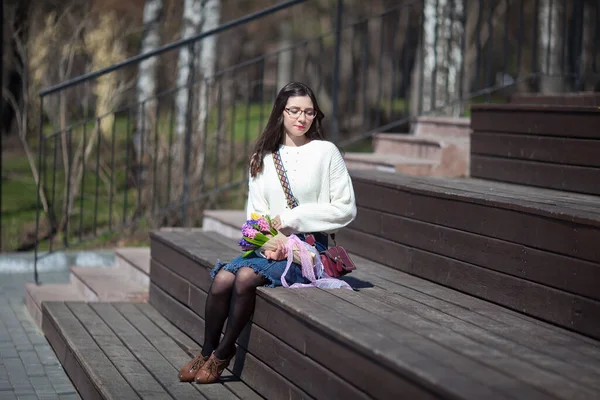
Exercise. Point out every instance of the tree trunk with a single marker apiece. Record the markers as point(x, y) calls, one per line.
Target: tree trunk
point(146, 82)
point(211, 16)
point(284, 60)
point(192, 22)
point(550, 46)
point(439, 61)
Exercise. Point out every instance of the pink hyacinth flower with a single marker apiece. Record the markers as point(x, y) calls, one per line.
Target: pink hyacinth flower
point(249, 233)
point(263, 225)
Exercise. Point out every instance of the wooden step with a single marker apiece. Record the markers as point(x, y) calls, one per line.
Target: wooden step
point(410, 338)
point(450, 154)
point(408, 146)
point(227, 222)
point(532, 250)
point(107, 284)
point(441, 127)
point(563, 99)
point(546, 146)
point(134, 262)
point(125, 351)
point(389, 163)
point(36, 294)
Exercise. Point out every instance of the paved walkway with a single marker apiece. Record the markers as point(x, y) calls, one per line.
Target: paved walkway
point(29, 368)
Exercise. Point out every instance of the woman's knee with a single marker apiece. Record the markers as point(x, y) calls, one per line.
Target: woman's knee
point(247, 280)
point(223, 283)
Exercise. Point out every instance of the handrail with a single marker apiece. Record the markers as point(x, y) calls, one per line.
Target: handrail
point(171, 46)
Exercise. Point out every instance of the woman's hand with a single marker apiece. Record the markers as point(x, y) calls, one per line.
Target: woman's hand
point(276, 222)
point(280, 253)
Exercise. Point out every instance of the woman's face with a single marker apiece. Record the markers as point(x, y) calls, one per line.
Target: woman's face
point(298, 115)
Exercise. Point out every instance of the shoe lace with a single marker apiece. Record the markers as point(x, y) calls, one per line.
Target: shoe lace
point(212, 366)
point(196, 364)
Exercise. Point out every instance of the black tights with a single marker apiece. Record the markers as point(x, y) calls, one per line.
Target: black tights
point(230, 297)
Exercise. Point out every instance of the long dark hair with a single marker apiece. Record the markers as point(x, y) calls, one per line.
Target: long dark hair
point(272, 136)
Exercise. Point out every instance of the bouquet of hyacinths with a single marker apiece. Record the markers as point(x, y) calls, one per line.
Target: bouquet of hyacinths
point(258, 234)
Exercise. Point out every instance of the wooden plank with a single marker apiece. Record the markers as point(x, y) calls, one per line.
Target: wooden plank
point(528, 375)
point(433, 366)
point(169, 281)
point(186, 243)
point(317, 381)
point(189, 348)
point(494, 335)
point(570, 207)
point(572, 312)
point(533, 230)
point(564, 121)
point(374, 379)
point(179, 287)
point(582, 152)
point(76, 372)
point(104, 376)
point(165, 337)
point(251, 370)
point(165, 373)
point(180, 264)
point(585, 99)
point(134, 372)
point(183, 261)
point(547, 268)
point(568, 202)
point(529, 331)
point(555, 176)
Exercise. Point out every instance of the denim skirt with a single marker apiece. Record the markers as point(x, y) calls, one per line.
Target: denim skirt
point(270, 269)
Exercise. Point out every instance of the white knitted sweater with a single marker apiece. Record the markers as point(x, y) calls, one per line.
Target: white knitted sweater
point(319, 180)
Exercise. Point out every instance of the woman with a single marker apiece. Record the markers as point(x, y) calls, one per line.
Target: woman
point(322, 186)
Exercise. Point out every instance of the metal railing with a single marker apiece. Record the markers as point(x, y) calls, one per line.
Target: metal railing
point(163, 162)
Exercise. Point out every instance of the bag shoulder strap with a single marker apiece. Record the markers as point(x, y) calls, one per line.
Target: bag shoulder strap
point(283, 179)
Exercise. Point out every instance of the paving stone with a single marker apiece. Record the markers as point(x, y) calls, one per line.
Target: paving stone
point(46, 355)
point(65, 389)
point(9, 353)
point(27, 397)
point(70, 396)
point(13, 363)
point(48, 396)
point(36, 339)
point(22, 387)
point(5, 385)
point(29, 368)
point(41, 383)
point(24, 391)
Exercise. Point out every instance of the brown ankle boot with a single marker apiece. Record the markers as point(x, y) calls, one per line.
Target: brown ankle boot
point(212, 369)
point(189, 370)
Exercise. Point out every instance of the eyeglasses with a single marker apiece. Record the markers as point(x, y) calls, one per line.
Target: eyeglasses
point(296, 112)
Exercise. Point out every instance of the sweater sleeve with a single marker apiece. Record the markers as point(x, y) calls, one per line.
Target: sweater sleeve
point(256, 199)
point(326, 217)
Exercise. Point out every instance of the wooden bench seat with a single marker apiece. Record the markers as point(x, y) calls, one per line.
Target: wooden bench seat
point(398, 336)
point(530, 249)
point(126, 351)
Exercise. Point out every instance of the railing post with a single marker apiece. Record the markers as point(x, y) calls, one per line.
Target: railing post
point(335, 124)
point(188, 134)
point(1, 131)
point(39, 186)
